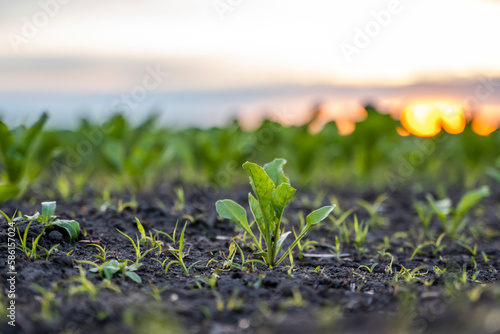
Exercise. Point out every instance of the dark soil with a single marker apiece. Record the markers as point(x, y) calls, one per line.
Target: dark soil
point(332, 300)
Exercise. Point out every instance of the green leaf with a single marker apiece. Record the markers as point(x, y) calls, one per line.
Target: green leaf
point(48, 210)
point(35, 244)
point(134, 267)
point(109, 270)
point(494, 173)
point(35, 130)
point(113, 154)
point(319, 215)
point(312, 219)
point(275, 171)
point(257, 213)
point(6, 138)
point(71, 226)
point(231, 210)
point(137, 247)
point(282, 196)
point(262, 186)
point(191, 266)
point(441, 208)
point(263, 254)
point(140, 228)
point(133, 276)
point(470, 199)
point(8, 191)
point(281, 240)
point(16, 146)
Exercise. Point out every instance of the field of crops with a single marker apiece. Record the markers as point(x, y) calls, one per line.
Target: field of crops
point(141, 228)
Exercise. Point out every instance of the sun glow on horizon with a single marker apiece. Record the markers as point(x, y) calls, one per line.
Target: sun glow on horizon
point(428, 119)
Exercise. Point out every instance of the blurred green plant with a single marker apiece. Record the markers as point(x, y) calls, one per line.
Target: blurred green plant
point(108, 269)
point(454, 220)
point(25, 153)
point(122, 156)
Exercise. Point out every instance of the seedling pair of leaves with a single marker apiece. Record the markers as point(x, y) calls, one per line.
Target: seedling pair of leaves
point(110, 268)
point(272, 194)
point(454, 220)
point(50, 221)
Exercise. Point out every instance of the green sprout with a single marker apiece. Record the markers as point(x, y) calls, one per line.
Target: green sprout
point(337, 222)
point(317, 270)
point(454, 220)
point(156, 291)
point(485, 257)
point(273, 193)
point(179, 255)
point(86, 286)
point(30, 253)
point(50, 221)
point(180, 202)
point(49, 251)
point(47, 301)
point(10, 220)
point(425, 214)
point(411, 275)
point(388, 268)
point(150, 239)
point(110, 268)
point(472, 250)
point(307, 245)
point(336, 250)
point(122, 205)
point(374, 209)
point(369, 269)
point(103, 253)
point(463, 277)
point(360, 233)
point(436, 246)
point(438, 271)
point(137, 245)
point(210, 282)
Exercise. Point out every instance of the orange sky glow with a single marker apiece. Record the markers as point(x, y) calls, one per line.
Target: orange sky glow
point(89, 47)
point(424, 119)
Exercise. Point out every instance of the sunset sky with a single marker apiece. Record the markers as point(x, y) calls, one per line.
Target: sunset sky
point(95, 45)
point(105, 47)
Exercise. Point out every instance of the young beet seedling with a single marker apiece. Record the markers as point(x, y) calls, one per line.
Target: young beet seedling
point(454, 220)
point(273, 193)
point(50, 221)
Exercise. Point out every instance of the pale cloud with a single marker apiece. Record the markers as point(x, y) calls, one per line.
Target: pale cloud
point(105, 44)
